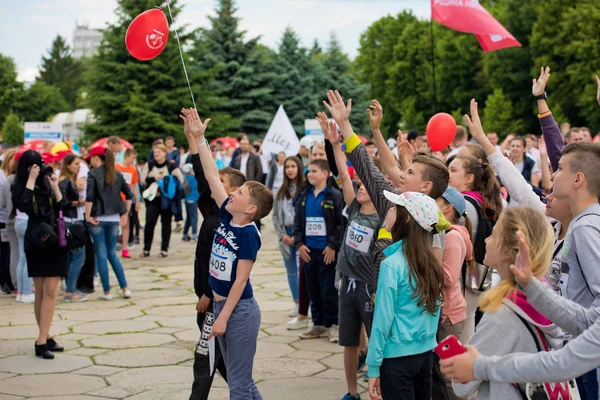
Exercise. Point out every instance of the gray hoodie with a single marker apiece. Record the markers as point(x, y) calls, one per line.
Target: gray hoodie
point(581, 355)
point(502, 333)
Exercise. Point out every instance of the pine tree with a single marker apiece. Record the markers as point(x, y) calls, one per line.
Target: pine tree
point(341, 76)
point(243, 71)
point(10, 89)
point(141, 100)
point(294, 86)
point(12, 130)
point(63, 71)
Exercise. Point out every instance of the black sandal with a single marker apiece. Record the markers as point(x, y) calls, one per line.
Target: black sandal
point(145, 254)
point(164, 254)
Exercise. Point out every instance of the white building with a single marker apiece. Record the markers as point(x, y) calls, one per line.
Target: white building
point(72, 123)
point(85, 41)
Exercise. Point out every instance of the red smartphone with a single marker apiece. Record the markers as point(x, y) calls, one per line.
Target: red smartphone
point(449, 347)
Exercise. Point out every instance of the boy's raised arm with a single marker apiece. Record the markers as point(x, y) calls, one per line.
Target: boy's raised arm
point(195, 128)
point(385, 154)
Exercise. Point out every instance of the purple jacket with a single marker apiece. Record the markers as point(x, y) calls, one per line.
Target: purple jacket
point(553, 138)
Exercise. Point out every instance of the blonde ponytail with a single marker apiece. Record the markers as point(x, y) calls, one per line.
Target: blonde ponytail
point(539, 237)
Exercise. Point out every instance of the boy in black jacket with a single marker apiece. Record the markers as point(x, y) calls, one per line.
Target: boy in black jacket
point(232, 180)
point(318, 236)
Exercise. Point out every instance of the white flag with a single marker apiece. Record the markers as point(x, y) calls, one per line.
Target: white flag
point(281, 136)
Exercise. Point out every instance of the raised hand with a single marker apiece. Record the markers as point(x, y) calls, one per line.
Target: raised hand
point(375, 112)
point(336, 107)
point(335, 136)
point(539, 85)
point(193, 125)
point(542, 147)
point(474, 122)
point(521, 269)
point(324, 123)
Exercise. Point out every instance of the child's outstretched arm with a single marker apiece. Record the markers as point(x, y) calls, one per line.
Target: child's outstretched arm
point(195, 128)
point(385, 154)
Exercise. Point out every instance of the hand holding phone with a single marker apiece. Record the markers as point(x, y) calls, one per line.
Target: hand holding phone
point(449, 347)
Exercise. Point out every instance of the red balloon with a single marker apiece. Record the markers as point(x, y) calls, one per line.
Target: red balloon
point(441, 130)
point(147, 35)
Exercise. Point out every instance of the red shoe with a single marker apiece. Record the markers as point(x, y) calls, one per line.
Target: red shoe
point(125, 254)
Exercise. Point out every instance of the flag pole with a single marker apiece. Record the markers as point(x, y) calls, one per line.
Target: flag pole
point(435, 106)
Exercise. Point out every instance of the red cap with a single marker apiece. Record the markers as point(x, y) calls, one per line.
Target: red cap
point(60, 155)
point(95, 151)
point(47, 158)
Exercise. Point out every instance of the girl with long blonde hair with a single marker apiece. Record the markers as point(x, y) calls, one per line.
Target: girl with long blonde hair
point(510, 323)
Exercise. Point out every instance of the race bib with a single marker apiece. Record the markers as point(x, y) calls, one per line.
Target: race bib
point(128, 177)
point(553, 391)
point(315, 226)
point(359, 237)
point(221, 264)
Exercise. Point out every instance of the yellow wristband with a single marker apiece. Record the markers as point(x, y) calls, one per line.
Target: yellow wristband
point(352, 143)
point(544, 115)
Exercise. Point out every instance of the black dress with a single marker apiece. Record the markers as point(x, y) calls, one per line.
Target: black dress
point(40, 206)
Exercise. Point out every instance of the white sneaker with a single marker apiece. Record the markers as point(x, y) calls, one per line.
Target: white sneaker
point(297, 324)
point(96, 281)
point(293, 312)
point(27, 298)
point(334, 334)
point(19, 297)
point(127, 294)
point(105, 296)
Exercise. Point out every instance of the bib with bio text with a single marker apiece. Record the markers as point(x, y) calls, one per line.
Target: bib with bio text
point(221, 263)
point(359, 237)
point(315, 226)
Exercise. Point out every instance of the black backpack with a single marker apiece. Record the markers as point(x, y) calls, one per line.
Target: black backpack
point(487, 220)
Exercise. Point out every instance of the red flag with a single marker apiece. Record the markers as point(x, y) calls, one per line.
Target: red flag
point(469, 16)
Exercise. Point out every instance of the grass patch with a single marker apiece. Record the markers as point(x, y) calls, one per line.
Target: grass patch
point(155, 288)
point(164, 276)
point(154, 270)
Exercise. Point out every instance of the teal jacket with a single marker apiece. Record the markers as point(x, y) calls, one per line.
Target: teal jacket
point(400, 327)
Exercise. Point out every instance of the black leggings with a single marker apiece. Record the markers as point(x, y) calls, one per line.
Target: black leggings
point(153, 211)
point(407, 378)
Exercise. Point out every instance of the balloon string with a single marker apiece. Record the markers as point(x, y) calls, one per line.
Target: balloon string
point(180, 53)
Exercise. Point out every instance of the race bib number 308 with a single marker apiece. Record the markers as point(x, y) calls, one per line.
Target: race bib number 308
point(221, 264)
point(315, 226)
point(359, 237)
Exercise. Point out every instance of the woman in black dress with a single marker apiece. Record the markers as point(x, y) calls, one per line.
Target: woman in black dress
point(36, 193)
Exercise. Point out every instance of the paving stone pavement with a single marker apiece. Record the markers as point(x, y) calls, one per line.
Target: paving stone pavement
point(142, 348)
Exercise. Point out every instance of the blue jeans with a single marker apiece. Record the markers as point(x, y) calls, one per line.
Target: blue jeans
point(104, 235)
point(24, 282)
point(291, 266)
point(75, 260)
point(588, 385)
point(191, 220)
point(320, 279)
point(238, 346)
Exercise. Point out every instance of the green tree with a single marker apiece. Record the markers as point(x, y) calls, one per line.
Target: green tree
point(12, 130)
point(60, 69)
point(375, 63)
point(41, 102)
point(240, 75)
point(337, 72)
point(295, 87)
point(510, 69)
point(10, 89)
point(141, 100)
point(499, 114)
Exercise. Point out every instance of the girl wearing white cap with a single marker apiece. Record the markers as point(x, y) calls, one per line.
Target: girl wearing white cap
point(407, 308)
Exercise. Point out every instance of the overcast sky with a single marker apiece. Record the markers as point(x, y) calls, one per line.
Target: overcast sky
point(29, 26)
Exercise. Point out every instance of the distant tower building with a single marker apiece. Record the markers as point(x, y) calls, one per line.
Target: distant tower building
point(85, 41)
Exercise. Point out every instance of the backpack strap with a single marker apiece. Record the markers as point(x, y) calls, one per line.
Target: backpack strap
point(537, 345)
